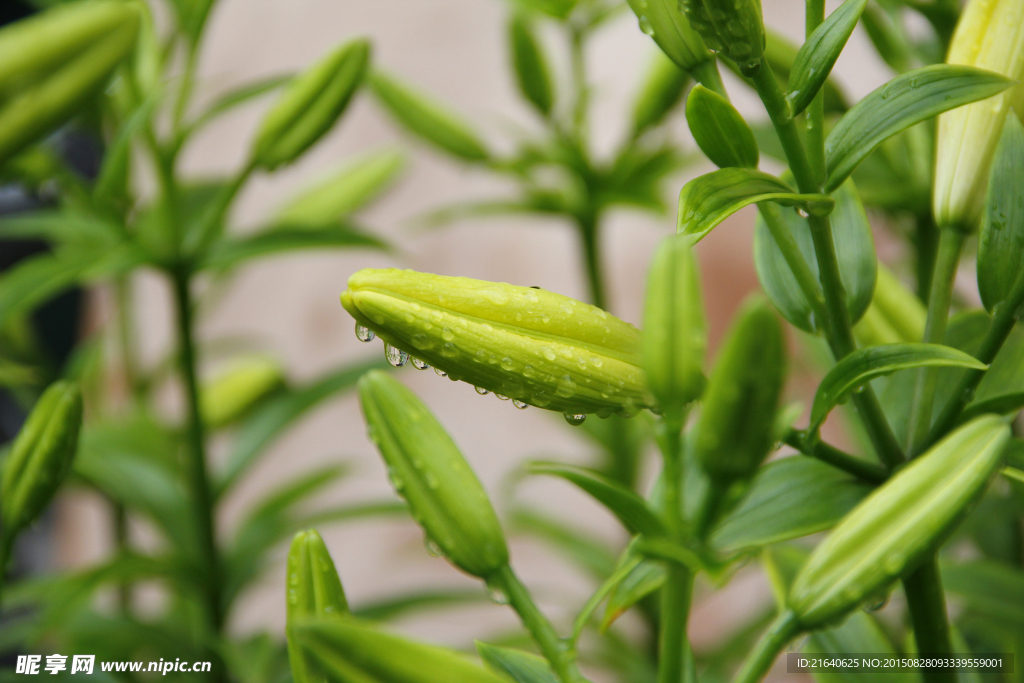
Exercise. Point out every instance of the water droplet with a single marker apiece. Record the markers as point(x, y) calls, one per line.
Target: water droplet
point(574, 420)
point(802, 213)
point(433, 549)
point(364, 334)
point(440, 372)
point(507, 363)
point(876, 602)
point(566, 387)
point(396, 357)
point(645, 25)
point(481, 391)
point(447, 334)
point(501, 397)
point(522, 405)
point(419, 364)
point(548, 352)
point(497, 595)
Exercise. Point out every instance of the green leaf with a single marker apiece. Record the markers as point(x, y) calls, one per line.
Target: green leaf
point(401, 605)
point(427, 119)
point(269, 422)
point(531, 66)
point(818, 55)
point(557, 9)
point(788, 498)
point(719, 130)
point(863, 365)
point(645, 578)
point(1001, 243)
point(628, 507)
point(237, 96)
point(344, 191)
point(66, 227)
point(902, 102)
point(588, 553)
point(707, 200)
point(112, 181)
point(232, 251)
point(521, 667)
point(859, 633)
point(858, 265)
point(990, 588)
point(662, 89)
point(36, 280)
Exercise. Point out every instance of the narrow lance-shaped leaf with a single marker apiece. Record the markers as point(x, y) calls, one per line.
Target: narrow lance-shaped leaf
point(706, 201)
point(719, 130)
point(662, 89)
point(521, 667)
point(231, 251)
point(530, 64)
point(628, 507)
point(904, 101)
point(642, 580)
point(1001, 243)
point(902, 521)
point(818, 55)
point(427, 119)
point(863, 365)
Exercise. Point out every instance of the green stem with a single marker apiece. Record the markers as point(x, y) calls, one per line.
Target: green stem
point(926, 245)
point(561, 657)
point(815, 116)
point(579, 78)
point(126, 331)
point(809, 285)
point(927, 605)
point(706, 73)
point(951, 242)
point(124, 589)
point(589, 238)
point(858, 467)
point(198, 478)
point(783, 629)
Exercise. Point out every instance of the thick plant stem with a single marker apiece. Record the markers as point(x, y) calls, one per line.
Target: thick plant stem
point(706, 73)
point(809, 285)
point(198, 478)
point(815, 115)
point(783, 629)
point(561, 657)
point(951, 242)
point(858, 467)
point(592, 259)
point(927, 605)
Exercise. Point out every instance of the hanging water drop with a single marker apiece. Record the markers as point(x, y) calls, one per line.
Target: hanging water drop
point(433, 549)
point(574, 420)
point(876, 602)
point(364, 334)
point(497, 594)
point(481, 391)
point(501, 397)
point(419, 364)
point(802, 212)
point(396, 357)
point(645, 25)
point(440, 372)
point(522, 405)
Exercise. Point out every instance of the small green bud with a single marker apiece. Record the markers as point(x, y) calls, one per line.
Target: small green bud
point(733, 27)
point(52, 63)
point(735, 430)
point(427, 469)
point(238, 389)
point(314, 590)
point(311, 105)
point(670, 29)
point(352, 651)
point(675, 336)
point(537, 347)
point(531, 67)
point(901, 522)
point(662, 89)
point(719, 130)
point(40, 457)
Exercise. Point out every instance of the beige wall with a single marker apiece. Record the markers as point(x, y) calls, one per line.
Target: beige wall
point(454, 49)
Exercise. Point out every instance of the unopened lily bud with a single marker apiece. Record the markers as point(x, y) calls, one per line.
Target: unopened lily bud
point(662, 90)
point(989, 35)
point(314, 591)
point(735, 431)
point(671, 30)
point(534, 346)
point(353, 651)
point(310, 105)
point(427, 469)
point(734, 28)
point(50, 64)
point(902, 521)
point(41, 457)
point(675, 334)
point(238, 389)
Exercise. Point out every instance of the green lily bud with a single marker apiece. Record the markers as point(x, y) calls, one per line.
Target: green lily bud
point(662, 89)
point(733, 27)
point(40, 457)
point(671, 30)
point(310, 105)
point(234, 392)
point(530, 65)
point(534, 346)
point(901, 522)
point(352, 651)
point(427, 469)
point(50, 64)
point(314, 590)
point(734, 434)
point(989, 35)
point(675, 337)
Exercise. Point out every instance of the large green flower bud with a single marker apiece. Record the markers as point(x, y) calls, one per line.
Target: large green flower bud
point(534, 346)
point(902, 521)
point(238, 389)
point(735, 431)
point(675, 336)
point(733, 27)
point(52, 63)
point(427, 469)
point(310, 105)
point(663, 21)
point(314, 591)
point(41, 457)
